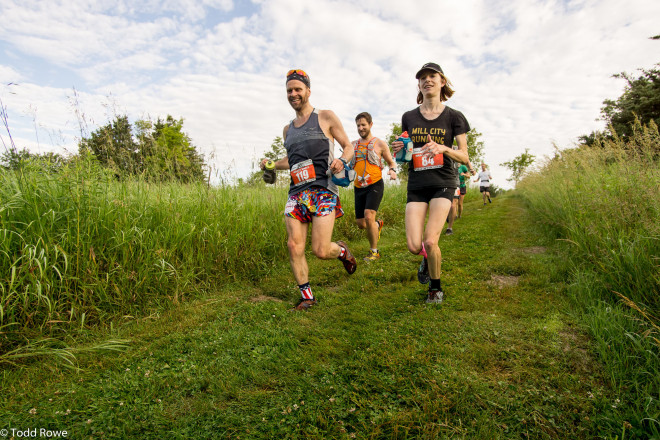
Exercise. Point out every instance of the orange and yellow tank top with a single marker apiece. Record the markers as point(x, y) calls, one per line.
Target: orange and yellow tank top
point(366, 163)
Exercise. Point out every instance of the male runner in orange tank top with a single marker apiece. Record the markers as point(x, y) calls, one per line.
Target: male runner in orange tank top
point(369, 154)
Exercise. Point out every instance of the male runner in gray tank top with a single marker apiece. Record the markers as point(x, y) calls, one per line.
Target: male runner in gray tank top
point(309, 142)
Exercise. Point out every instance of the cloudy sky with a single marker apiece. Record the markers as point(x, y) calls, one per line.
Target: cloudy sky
point(527, 73)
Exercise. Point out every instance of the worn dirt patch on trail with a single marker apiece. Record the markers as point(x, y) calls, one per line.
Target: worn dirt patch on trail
point(502, 281)
point(575, 346)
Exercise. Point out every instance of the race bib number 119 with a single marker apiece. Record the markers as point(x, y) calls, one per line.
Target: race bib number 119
point(303, 172)
point(422, 162)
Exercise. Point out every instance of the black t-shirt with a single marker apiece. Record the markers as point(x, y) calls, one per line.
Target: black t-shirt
point(443, 130)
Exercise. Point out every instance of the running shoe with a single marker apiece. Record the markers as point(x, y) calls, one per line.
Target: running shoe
point(449, 231)
point(423, 272)
point(434, 297)
point(380, 227)
point(489, 200)
point(304, 304)
point(349, 260)
point(373, 256)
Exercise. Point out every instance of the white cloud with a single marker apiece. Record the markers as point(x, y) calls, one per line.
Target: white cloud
point(525, 73)
point(9, 75)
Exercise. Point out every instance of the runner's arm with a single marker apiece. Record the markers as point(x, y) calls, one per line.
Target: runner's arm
point(384, 150)
point(432, 148)
point(280, 164)
point(337, 132)
point(460, 155)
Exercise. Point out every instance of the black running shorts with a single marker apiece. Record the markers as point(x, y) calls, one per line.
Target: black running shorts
point(368, 198)
point(425, 195)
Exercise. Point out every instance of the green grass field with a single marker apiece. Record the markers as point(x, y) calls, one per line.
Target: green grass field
point(502, 357)
point(137, 310)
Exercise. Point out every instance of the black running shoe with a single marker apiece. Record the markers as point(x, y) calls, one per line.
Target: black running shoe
point(435, 297)
point(423, 272)
point(304, 304)
point(350, 264)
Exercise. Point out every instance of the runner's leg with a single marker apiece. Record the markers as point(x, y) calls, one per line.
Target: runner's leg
point(297, 237)
point(438, 211)
point(322, 245)
point(453, 212)
point(415, 216)
point(372, 227)
point(360, 196)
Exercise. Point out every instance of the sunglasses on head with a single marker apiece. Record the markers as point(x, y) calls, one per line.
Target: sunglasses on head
point(297, 72)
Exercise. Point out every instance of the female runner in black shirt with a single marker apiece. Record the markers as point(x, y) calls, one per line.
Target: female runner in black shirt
point(433, 177)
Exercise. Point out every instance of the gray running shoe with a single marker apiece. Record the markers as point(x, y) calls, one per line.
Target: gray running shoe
point(434, 297)
point(423, 272)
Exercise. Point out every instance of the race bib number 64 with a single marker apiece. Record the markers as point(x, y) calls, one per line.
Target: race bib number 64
point(422, 162)
point(303, 172)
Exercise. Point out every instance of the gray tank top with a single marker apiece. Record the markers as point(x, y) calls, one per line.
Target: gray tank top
point(309, 143)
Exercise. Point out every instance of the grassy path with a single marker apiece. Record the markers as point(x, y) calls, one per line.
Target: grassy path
point(500, 358)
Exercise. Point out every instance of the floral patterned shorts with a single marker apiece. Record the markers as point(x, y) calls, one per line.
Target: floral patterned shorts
point(315, 201)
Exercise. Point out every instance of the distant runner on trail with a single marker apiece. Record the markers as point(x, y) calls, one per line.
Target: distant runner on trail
point(309, 142)
point(457, 204)
point(484, 179)
point(370, 152)
point(452, 212)
point(432, 176)
point(463, 173)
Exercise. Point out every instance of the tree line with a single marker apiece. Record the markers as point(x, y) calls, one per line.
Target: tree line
point(158, 150)
point(640, 102)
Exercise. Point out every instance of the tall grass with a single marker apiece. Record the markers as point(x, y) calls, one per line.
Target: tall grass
point(79, 247)
point(604, 204)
